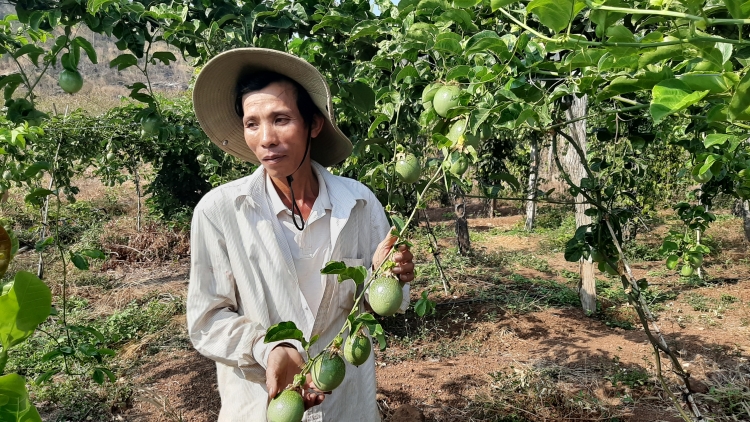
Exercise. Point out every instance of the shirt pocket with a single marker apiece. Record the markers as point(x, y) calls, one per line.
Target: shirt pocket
point(347, 289)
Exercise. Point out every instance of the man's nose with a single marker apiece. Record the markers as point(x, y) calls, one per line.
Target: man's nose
point(267, 135)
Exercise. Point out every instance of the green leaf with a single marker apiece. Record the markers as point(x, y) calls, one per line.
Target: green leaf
point(17, 407)
point(51, 355)
point(669, 52)
point(447, 44)
point(496, 4)
point(714, 83)
point(87, 47)
point(31, 50)
point(739, 9)
point(424, 305)
point(672, 96)
point(466, 3)
point(93, 6)
point(164, 56)
point(738, 106)
point(110, 376)
point(458, 72)
point(79, 261)
point(93, 253)
point(668, 246)
point(41, 379)
point(286, 330)
point(716, 139)
point(507, 178)
point(361, 96)
point(5, 251)
point(486, 41)
point(334, 267)
point(407, 72)
point(35, 168)
point(26, 305)
point(123, 61)
point(399, 223)
point(98, 376)
point(41, 245)
point(710, 160)
point(554, 14)
point(357, 274)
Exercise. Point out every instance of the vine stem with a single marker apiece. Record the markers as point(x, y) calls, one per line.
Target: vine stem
point(3, 360)
point(650, 327)
point(565, 39)
point(358, 300)
point(654, 12)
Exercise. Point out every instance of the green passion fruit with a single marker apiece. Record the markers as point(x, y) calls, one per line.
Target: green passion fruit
point(694, 259)
point(385, 296)
point(460, 136)
point(429, 93)
point(328, 371)
point(460, 166)
point(445, 99)
point(687, 270)
point(700, 178)
point(286, 407)
point(151, 124)
point(357, 349)
point(70, 81)
point(408, 169)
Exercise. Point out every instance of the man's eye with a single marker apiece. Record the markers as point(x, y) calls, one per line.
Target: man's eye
point(282, 120)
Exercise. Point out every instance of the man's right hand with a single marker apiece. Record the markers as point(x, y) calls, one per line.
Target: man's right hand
point(284, 363)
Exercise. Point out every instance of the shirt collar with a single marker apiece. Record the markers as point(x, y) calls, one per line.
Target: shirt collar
point(252, 188)
point(322, 202)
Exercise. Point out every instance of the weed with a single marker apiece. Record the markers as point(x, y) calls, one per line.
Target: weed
point(640, 251)
point(728, 299)
point(140, 318)
point(542, 391)
point(698, 302)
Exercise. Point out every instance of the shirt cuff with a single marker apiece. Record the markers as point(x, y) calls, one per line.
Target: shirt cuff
point(261, 351)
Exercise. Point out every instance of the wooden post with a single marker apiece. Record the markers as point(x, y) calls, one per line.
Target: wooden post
point(532, 186)
point(577, 130)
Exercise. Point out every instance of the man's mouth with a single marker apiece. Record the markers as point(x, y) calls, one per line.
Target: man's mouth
point(272, 159)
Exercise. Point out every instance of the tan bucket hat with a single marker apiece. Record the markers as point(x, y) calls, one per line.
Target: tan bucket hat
point(215, 93)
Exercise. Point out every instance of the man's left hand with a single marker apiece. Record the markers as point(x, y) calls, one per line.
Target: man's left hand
point(403, 258)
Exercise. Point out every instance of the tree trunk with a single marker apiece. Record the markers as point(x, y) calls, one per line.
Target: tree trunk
point(577, 131)
point(745, 208)
point(492, 208)
point(533, 173)
point(462, 226)
point(137, 182)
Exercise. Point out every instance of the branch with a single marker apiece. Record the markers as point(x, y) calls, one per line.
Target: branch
point(565, 39)
point(649, 322)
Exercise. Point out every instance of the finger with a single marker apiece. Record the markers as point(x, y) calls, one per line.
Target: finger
point(406, 278)
point(403, 247)
point(389, 240)
point(403, 268)
point(404, 256)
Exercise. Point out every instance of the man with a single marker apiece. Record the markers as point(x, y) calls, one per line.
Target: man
point(258, 243)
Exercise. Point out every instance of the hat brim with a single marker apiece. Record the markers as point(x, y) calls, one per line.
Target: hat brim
point(215, 93)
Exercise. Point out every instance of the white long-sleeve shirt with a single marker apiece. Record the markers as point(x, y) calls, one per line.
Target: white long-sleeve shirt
point(243, 280)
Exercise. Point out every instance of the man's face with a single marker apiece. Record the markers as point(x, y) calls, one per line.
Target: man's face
point(274, 129)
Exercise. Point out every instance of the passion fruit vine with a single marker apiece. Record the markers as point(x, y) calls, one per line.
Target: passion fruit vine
point(286, 407)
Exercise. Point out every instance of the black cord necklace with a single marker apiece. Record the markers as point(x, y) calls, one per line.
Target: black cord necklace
point(289, 179)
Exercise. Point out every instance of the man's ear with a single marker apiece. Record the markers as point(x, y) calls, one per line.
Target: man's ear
point(317, 125)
